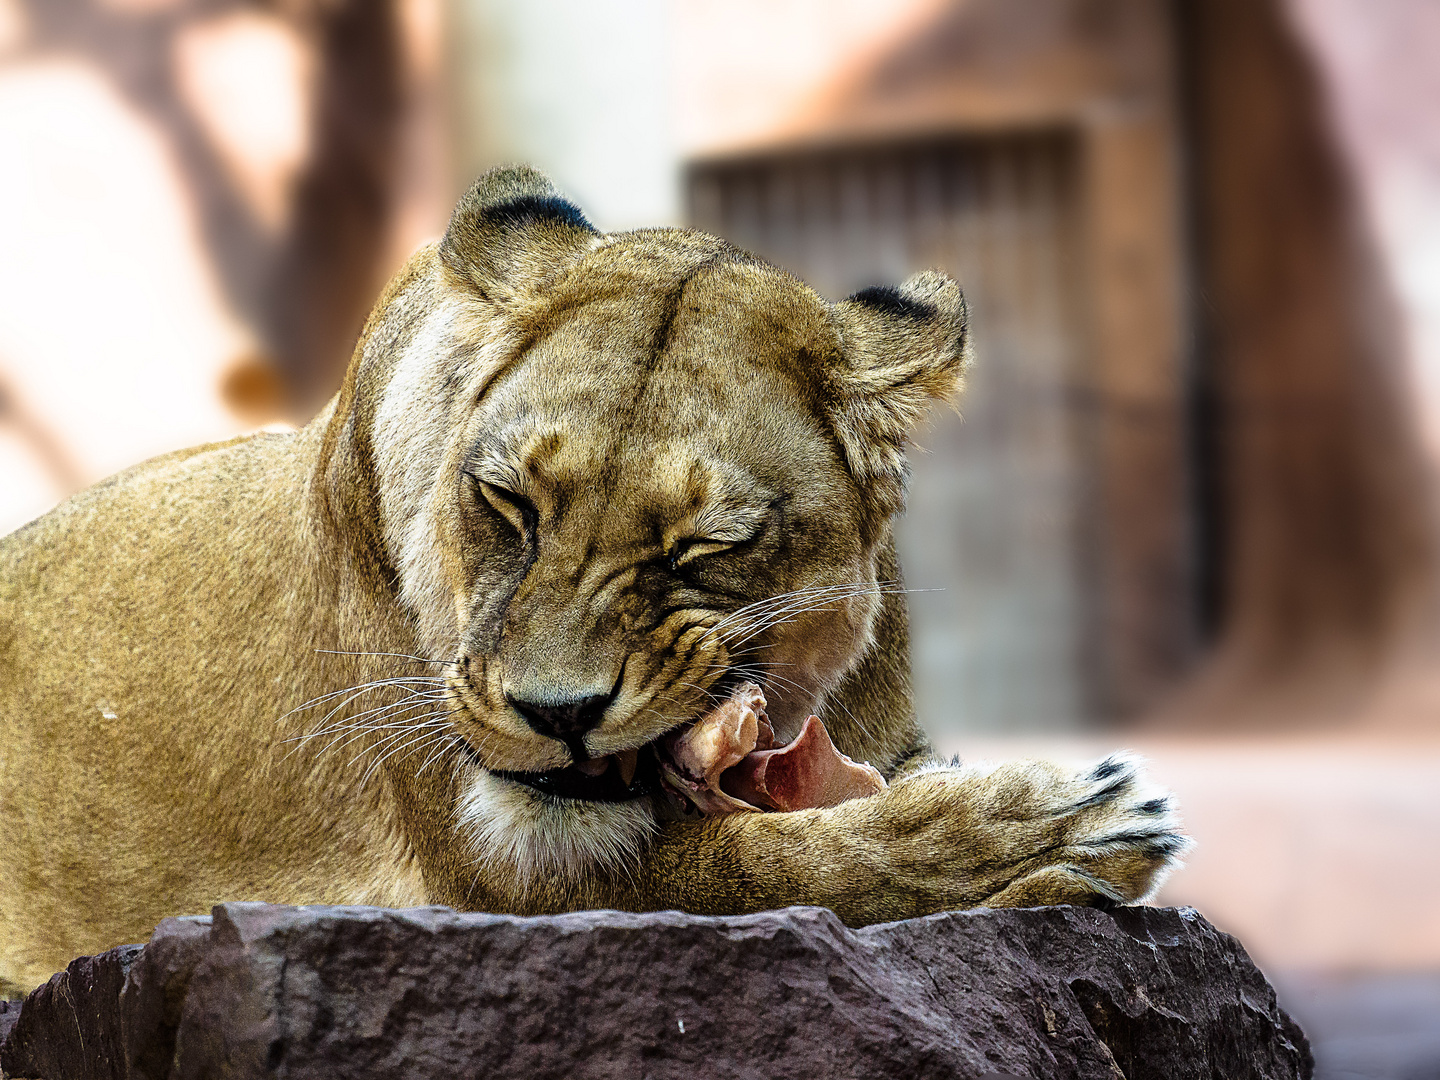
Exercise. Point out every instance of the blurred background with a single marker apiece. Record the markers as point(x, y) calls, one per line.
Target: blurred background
point(1188, 503)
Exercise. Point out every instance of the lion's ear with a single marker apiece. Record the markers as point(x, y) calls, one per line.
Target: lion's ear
point(902, 349)
point(512, 230)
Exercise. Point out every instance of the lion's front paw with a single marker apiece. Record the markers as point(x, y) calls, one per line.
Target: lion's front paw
point(1023, 834)
point(1116, 837)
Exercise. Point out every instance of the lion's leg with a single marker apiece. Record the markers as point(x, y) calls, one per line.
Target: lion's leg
point(1018, 834)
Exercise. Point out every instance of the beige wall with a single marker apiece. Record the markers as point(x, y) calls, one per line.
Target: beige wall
point(583, 91)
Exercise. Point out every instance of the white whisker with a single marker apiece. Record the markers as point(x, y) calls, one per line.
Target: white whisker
point(402, 656)
point(794, 611)
point(447, 741)
point(360, 689)
point(423, 738)
point(761, 607)
point(390, 711)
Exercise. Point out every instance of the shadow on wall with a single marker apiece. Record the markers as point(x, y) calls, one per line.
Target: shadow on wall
point(283, 122)
point(234, 179)
point(1318, 499)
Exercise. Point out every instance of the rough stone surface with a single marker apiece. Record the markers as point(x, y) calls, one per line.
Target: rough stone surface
point(258, 990)
point(9, 1013)
point(68, 1026)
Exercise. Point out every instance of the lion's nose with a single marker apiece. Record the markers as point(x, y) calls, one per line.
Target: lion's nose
point(563, 720)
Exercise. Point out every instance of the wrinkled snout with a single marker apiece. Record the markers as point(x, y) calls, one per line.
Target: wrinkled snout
point(560, 668)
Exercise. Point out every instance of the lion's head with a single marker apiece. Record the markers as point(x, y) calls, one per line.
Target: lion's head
point(664, 467)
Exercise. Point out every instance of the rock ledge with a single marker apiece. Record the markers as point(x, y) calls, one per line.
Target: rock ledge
point(256, 990)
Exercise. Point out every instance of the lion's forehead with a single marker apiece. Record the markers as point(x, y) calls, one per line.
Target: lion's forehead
point(670, 425)
point(678, 449)
point(666, 397)
point(649, 298)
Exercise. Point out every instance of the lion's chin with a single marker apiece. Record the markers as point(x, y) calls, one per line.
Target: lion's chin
point(544, 839)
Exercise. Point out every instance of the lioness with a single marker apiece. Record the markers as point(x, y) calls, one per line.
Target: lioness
point(575, 488)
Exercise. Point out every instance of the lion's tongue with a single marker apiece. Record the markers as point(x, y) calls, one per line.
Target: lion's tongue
point(725, 762)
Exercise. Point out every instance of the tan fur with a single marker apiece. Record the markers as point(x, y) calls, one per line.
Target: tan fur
point(560, 463)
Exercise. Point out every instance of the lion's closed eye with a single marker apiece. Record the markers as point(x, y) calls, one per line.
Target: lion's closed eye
point(511, 505)
point(715, 530)
point(685, 551)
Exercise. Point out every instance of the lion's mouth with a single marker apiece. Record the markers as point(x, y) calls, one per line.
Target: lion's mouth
point(726, 762)
point(668, 766)
point(620, 777)
point(630, 774)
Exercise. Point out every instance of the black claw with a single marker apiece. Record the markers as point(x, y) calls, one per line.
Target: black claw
point(1108, 768)
point(1118, 786)
point(1167, 844)
point(1152, 843)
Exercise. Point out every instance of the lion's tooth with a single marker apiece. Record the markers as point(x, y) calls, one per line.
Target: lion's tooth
point(593, 767)
point(627, 760)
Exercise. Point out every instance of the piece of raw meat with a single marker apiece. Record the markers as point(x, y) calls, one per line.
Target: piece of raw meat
point(808, 773)
point(726, 762)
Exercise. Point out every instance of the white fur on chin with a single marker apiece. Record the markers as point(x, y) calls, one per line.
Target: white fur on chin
point(541, 837)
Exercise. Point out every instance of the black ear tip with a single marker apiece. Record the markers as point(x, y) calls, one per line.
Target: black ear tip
point(528, 209)
point(508, 210)
point(888, 300)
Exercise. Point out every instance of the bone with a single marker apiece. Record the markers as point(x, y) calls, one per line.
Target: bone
point(722, 736)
